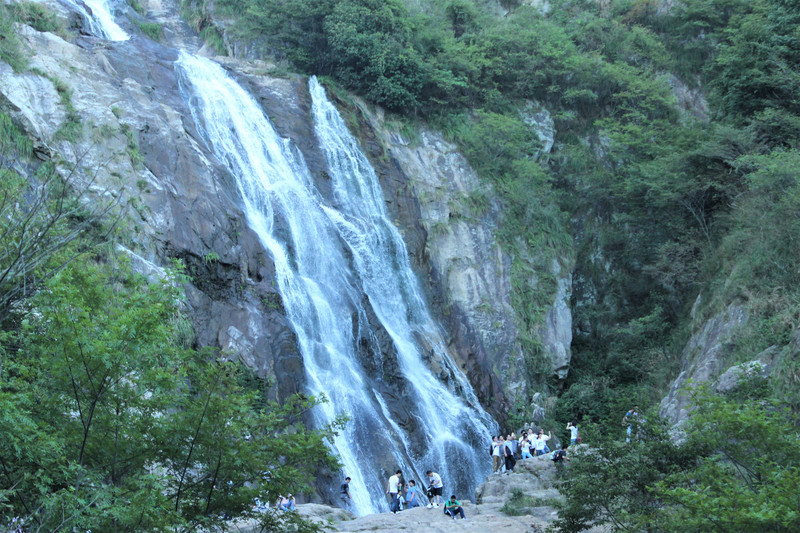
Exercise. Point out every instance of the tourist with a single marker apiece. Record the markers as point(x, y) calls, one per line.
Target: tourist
point(392, 490)
point(508, 454)
point(286, 503)
point(559, 457)
point(541, 443)
point(573, 432)
point(345, 491)
point(525, 446)
point(496, 461)
point(511, 442)
point(436, 485)
point(501, 447)
point(628, 420)
point(452, 507)
point(413, 495)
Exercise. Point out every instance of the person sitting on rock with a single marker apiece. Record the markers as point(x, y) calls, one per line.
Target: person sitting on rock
point(452, 507)
point(286, 503)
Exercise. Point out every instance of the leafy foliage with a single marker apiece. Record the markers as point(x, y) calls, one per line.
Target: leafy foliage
point(108, 424)
point(733, 472)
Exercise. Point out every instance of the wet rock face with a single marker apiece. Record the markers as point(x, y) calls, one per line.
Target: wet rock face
point(430, 189)
point(449, 219)
point(140, 136)
point(140, 140)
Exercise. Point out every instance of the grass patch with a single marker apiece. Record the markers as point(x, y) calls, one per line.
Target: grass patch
point(37, 16)
point(10, 48)
point(520, 504)
point(72, 128)
point(213, 38)
point(136, 5)
point(13, 140)
point(151, 29)
point(137, 159)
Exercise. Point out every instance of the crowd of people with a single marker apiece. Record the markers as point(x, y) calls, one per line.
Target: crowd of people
point(505, 452)
point(409, 495)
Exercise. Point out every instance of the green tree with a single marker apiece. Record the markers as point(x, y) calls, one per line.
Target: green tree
point(733, 471)
point(108, 424)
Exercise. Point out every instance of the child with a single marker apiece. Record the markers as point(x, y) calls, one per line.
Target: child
point(414, 495)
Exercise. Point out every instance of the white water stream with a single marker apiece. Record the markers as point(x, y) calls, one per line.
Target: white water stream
point(335, 260)
point(344, 275)
point(101, 21)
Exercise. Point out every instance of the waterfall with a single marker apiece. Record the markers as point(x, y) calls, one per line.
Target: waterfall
point(100, 20)
point(340, 267)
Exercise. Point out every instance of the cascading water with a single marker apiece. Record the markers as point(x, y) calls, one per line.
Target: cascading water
point(98, 16)
point(454, 427)
point(327, 257)
point(338, 265)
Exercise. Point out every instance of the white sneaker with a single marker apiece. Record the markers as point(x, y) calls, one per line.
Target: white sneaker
point(430, 506)
point(436, 505)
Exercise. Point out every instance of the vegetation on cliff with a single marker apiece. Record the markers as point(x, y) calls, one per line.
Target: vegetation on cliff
point(673, 181)
point(659, 192)
point(736, 470)
point(110, 419)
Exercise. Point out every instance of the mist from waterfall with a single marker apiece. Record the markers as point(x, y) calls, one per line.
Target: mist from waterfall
point(101, 21)
point(340, 267)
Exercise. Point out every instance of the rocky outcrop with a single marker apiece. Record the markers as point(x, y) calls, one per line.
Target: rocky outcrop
point(464, 260)
point(556, 332)
point(450, 218)
point(137, 141)
point(527, 495)
point(703, 359)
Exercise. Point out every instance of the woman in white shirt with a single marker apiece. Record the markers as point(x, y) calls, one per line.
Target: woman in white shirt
point(525, 444)
point(541, 442)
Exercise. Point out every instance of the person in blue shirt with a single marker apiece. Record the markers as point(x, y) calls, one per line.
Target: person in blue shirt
point(414, 495)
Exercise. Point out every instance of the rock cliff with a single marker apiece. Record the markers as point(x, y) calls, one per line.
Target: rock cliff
point(135, 137)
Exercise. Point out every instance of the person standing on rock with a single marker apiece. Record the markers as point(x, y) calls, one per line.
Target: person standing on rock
point(573, 432)
point(413, 495)
point(511, 442)
point(508, 453)
point(392, 490)
point(525, 445)
point(496, 460)
point(452, 507)
point(541, 442)
point(345, 492)
point(436, 485)
point(628, 420)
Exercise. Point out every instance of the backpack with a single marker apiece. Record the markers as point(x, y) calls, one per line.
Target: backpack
point(556, 455)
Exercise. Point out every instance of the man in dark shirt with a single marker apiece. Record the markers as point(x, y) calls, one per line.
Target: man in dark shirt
point(345, 493)
point(559, 456)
